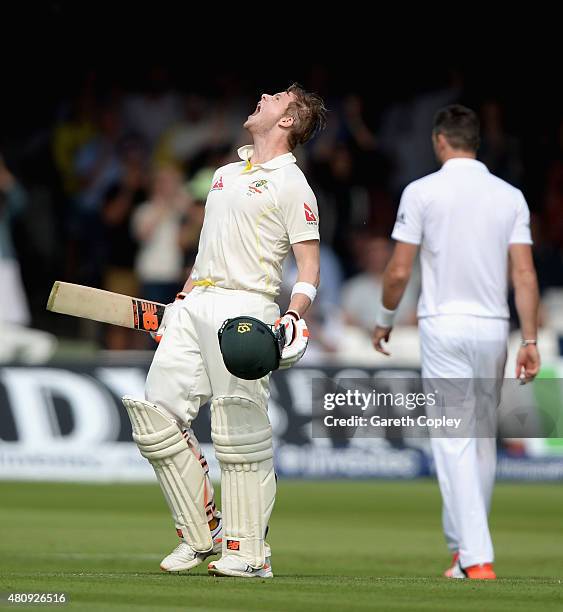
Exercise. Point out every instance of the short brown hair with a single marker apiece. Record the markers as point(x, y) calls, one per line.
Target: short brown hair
point(459, 125)
point(309, 115)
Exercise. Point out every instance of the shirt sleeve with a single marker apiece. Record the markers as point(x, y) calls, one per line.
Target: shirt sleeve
point(300, 212)
point(521, 230)
point(408, 225)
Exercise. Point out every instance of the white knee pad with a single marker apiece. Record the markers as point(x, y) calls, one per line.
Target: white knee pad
point(242, 436)
point(178, 469)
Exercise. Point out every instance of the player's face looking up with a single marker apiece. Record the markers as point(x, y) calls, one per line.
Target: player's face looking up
point(270, 112)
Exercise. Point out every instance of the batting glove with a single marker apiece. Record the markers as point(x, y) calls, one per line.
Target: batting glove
point(296, 339)
point(169, 312)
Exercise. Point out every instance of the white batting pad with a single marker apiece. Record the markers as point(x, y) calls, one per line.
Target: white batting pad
point(242, 436)
point(177, 468)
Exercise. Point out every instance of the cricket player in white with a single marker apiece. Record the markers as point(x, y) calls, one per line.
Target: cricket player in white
point(256, 210)
point(472, 229)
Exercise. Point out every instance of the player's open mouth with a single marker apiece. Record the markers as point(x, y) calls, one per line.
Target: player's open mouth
point(258, 106)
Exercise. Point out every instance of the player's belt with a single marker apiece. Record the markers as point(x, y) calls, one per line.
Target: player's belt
point(207, 282)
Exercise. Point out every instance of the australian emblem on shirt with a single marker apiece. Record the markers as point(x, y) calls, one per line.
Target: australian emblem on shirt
point(257, 187)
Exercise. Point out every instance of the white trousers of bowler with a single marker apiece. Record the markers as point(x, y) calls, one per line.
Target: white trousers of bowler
point(455, 347)
point(188, 369)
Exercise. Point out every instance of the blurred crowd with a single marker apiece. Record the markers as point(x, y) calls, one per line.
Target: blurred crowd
point(112, 194)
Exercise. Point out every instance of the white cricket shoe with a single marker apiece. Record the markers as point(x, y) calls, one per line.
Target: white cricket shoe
point(455, 571)
point(184, 557)
point(231, 565)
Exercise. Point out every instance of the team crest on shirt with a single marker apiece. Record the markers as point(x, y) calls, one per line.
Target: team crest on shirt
point(401, 218)
point(309, 215)
point(257, 187)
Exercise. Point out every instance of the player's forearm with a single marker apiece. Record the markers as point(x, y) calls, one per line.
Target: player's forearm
point(299, 303)
point(307, 258)
point(527, 299)
point(309, 273)
point(395, 281)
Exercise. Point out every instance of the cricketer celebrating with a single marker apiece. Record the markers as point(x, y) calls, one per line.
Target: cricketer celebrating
point(471, 227)
point(255, 211)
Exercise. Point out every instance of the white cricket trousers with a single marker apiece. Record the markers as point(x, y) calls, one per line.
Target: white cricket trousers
point(188, 369)
point(466, 347)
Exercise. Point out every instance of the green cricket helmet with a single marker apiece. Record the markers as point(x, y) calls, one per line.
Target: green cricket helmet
point(250, 348)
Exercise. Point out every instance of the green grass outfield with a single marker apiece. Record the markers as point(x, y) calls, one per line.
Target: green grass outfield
point(336, 546)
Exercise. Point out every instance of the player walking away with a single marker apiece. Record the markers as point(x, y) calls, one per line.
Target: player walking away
point(255, 211)
point(468, 224)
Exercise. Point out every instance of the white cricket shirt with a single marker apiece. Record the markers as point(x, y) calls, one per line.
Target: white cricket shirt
point(464, 218)
point(253, 214)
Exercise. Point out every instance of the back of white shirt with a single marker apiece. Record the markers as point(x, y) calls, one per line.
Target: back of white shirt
point(464, 218)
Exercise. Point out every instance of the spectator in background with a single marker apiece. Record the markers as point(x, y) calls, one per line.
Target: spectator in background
point(347, 125)
point(13, 200)
point(344, 201)
point(345, 159)
point(548, 261)
point(361, 294)
point(154, 111)
point(351, 174)
point(204, 126)
point(98, 165)
point(74, 129)
point(548, 256)
point(18, 342)
point(198, 189)
point(120, 202)
point(499, 151)
point(554, 193)
point(404, 131)
point(549, 252)
point(157, 226)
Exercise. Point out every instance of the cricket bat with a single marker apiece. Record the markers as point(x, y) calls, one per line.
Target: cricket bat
point(105, 306)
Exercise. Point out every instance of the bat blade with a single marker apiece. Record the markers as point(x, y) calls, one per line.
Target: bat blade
point(105, 306)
